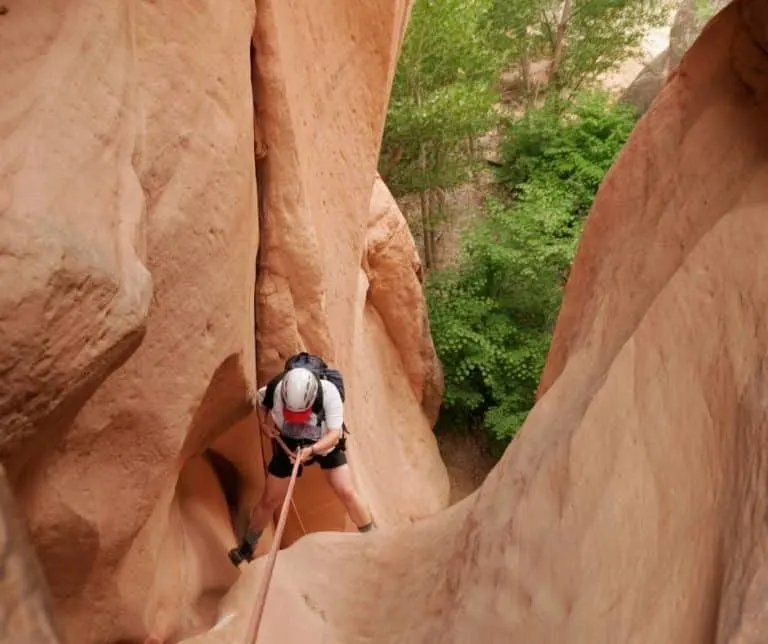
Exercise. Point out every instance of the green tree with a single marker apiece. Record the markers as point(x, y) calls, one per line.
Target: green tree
point(442, 98)
point(492, 316)
point(580, 39)
point(573, 148)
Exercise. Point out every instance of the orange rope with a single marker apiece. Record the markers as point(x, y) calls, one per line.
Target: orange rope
point(255, 621)
point(298, 518)
point(293, 503)
point(264, 464)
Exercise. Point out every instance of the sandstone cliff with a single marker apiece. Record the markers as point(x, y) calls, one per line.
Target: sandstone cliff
point(686, 26)
point(631, 507)
point(149, 151)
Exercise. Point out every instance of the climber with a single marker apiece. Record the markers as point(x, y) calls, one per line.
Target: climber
point(306, 401)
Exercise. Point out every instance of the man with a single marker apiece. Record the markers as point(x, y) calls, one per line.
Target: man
point(307, 417)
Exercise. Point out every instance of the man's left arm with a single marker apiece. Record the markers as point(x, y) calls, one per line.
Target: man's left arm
point(334, 420)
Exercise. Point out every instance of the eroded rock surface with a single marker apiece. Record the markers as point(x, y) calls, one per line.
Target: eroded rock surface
point(685, 28)
point(334, 243)
point(131, 155)
point(394, 273)
point(26, 611)
point(128, 156)
point(75, 290)
point(631, 507)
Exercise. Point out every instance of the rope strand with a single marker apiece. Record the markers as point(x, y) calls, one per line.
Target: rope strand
point(252, 631)
point(264, 465)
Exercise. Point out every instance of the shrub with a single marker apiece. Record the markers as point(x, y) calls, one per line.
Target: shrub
point(492, 317)
point(573, 148)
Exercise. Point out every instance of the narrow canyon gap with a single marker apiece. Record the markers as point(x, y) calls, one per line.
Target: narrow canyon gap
point(629, 508)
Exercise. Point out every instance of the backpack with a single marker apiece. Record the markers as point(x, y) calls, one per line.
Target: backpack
point(321, 370)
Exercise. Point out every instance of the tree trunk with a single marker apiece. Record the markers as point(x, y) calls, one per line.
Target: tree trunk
point(426, 218)
point(393, 158)
point(440, 196)
point(473, 156)
point(425, 229)
point(426, 223)
point(434, 209)
point(436, 202)
point(525, 68)
point(557, 54)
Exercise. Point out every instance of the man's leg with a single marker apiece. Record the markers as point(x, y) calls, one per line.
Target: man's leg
point(274, 493)
point(275, 487)
point(340, 479)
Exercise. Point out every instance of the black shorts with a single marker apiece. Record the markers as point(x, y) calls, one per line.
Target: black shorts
point(281, 466)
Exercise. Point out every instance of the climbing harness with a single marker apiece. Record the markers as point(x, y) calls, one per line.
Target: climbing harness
point(252, 631)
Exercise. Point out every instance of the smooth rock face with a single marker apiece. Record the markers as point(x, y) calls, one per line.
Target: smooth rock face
point(631, 508)
point(685, 28)
point(393, 269)
point(133, 172)
point(333, 245)
point(129, 135)
point(25, 603)
point(74, 288)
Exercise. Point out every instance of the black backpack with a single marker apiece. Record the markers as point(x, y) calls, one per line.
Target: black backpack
point(321, 370)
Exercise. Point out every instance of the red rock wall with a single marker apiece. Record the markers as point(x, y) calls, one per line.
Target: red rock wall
point(130, 227)
point(322, 83)
point(631, 508)
point(25, 603)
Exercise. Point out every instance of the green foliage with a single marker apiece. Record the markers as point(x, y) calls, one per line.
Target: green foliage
point(439, 125)
point(601, 34)
point(512, 28)
point(596, 35)
point(491, 319)
point(574, 148)
point(441, 96)
point(704, 10)
point(492, 316)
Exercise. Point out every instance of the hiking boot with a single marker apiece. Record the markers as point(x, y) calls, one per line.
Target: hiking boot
point(243, 552)
point(368, 527)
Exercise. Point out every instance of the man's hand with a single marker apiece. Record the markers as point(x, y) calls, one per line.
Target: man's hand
point(268, 427)
point(305, 453)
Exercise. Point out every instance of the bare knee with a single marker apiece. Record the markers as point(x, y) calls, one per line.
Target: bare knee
point(269, 503)
point(273, 496)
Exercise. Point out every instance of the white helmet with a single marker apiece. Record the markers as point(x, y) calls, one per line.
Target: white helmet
point(299, 389)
